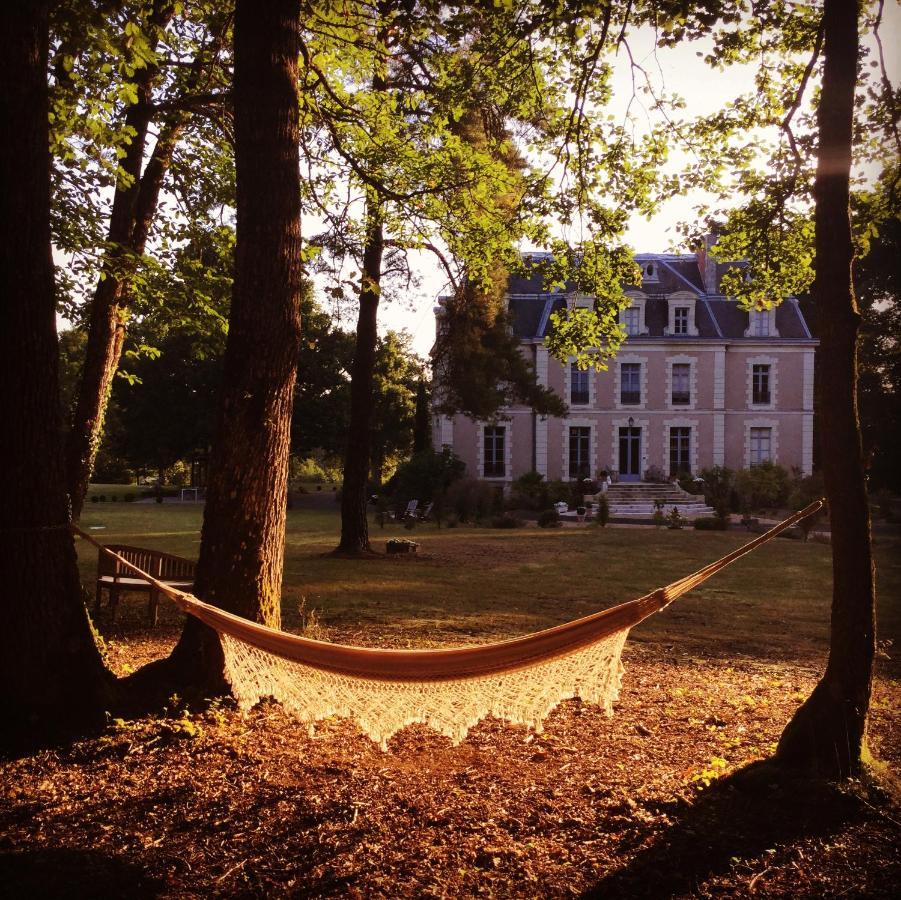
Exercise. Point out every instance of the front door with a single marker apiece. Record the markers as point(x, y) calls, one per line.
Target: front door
point(630, 454)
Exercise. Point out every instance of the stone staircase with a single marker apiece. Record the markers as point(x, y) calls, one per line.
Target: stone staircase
point(635, 500)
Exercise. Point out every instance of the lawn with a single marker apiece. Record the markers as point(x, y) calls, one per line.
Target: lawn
point(213, 801)
point(474, 584)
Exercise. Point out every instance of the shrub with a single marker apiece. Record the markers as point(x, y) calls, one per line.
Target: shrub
point(659, 519)
point(675, 520)
point(473, 500)
point(424, 475)
point(602, 516)
point(710, 523)
point(529, 491)
point(506, 521)
point(111, 470)
point(129, 498)
point(764, 486)
point(807, 490)
point(312, 471)
point(558, 492)
point(550, 518)
point(719, 483)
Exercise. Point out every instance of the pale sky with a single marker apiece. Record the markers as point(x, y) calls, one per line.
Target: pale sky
point(704, 90)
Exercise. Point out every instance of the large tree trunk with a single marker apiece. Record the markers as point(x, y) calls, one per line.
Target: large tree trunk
point(242, 544)
point(827, 733)
point(106, 331)
point(354, 491)
point(51, 675)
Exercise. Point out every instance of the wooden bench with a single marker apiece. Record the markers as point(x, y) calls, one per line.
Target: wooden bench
point(116, 577)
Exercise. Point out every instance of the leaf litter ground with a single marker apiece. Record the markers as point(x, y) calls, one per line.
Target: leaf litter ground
point(638, 805)
point(643, 804)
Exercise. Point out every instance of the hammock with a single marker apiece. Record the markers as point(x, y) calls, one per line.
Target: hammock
point(519, 680)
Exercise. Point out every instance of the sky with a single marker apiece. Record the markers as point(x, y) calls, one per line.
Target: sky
point(705, 90)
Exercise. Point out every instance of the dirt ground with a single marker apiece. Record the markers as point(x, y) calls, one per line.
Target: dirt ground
point(643, 804)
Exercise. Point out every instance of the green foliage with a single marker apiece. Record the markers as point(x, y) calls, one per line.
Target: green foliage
point(877, 279)
point(506, 521)
point(592, 336)
point(602, 515)
point(471, 500)
point(675, 520)
point(763, 487)
point(710, 523)
point(105, 61)
point(312, 471)
point(529, 491)
point(718, 487)
point(550, 518)
point(425, 476)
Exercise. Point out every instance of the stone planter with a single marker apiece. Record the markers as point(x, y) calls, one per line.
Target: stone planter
point(398, 545)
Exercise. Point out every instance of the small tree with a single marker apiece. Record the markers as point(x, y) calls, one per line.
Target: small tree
point(602, 516)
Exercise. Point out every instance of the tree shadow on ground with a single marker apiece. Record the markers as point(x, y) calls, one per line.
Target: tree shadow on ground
point(757, 809)
point(73, 874)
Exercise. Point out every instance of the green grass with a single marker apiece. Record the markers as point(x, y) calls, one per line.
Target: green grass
point(473, 584)
point(116, 490)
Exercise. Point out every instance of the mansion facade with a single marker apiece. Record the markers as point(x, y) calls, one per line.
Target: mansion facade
point(697, 383)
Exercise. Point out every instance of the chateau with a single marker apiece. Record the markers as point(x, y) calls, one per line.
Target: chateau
point(697, 383)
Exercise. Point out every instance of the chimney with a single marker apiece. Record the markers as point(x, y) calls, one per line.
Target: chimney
point(707, 264)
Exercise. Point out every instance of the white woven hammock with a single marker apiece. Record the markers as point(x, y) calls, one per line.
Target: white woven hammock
point(518, 681)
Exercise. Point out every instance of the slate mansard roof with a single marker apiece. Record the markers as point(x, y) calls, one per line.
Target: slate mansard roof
point(717, 318)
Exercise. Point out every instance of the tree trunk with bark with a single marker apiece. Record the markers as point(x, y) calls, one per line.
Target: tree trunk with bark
point(354, 490)
point(51, 675)
point(827, 733)
point(242, 543)
point(106, 330)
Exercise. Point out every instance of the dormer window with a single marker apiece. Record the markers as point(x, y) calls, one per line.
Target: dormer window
point(761, 323)
point(681, 318)
point(650, 272)
point(632, 320)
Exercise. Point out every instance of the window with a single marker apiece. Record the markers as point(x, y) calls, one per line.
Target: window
point(578, 385)
point(630, 383)
point(760, 322)
point(494, 451)
point(632, 319)
point(579, 449)
point(679, 449)
point(761, 445)
point(681, 395)
point(760, 384)
point(680, 320)
point(650, 272)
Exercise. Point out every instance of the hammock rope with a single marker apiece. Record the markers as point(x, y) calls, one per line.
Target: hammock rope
point(519, 680)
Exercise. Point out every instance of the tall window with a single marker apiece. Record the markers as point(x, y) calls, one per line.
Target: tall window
point(761, 445)
point(760, 322)
point(760, 384)
point(630, 383)
point(631, 319)
point(578, 385)
point(579, 449)
point(680, 320)
point(681, 395)
point(679, 449)
point(494, 451)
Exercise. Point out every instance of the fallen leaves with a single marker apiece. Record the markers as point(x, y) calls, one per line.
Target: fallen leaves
point(251, 804)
